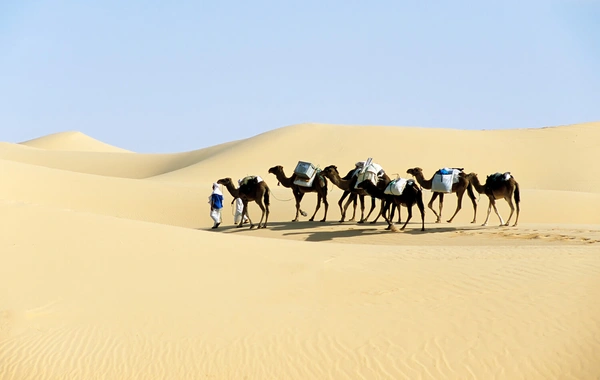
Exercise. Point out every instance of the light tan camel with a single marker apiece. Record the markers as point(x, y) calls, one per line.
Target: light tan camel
point(252, 191)
point(319, 186)
point(497, 187)
point(458, 188)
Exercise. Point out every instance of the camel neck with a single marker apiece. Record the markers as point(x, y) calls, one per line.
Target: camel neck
point(285, 181)
point(343, 184)
point(426, 184)
point(477, 185)
point(232, 190)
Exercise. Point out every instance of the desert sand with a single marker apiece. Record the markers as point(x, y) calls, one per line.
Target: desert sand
point(110, 269)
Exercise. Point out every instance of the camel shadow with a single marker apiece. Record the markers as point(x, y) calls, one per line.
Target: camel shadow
point(285, 226)
point(319, 236)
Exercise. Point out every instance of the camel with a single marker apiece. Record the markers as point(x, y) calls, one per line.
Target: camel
point(318, 186)
point(347, 184)
point(412, 194)
point(250, 192)
point(458, 188)
point(498, 189)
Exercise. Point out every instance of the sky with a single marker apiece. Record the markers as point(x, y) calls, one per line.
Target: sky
point(171, 76)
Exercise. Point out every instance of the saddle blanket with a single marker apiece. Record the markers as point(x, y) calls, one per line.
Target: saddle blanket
point(443, 180)
point(308, 182)
point(500, 176)
point(397, 186)
point(246, 180)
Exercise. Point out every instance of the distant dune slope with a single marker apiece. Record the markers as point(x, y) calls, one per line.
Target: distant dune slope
point(71, 140)
point(106, 163)
point(557, 158)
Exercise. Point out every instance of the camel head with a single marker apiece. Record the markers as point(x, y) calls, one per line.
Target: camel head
point(415, 171)
point(224, 181)
point(276, 169)
point(330, 170)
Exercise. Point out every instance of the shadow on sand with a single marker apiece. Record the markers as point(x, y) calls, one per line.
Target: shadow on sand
point(336, 230)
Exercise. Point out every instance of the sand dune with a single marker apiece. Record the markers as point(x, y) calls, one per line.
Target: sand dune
point(111, 269)
point(106, 163)
point(71, 141)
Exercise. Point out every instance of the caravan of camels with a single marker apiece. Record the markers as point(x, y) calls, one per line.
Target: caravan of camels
point(369, 179)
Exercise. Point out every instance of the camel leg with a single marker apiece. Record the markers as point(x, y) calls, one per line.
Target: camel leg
point(298, 196)
point(351, 199)
point(488, 211)
point(392, 211)
point(458, 205)
point(421, 207)
point(361, 198)
point(354, 204)
point(384, 209)
point(245, 212)
point(316, 208)
point(497, 213)
point(473, 200)
point(267, 212)
point(343, 209)
point(512, 208)
point(381, 211)
point(326, 204)
point(409, 207)
point(517, 195)
point(262, 207)
point(373, 204)
point(430, 205)
point(340, 205)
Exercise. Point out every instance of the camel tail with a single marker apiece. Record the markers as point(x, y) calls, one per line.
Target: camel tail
point(267, 197)
point(517, 194)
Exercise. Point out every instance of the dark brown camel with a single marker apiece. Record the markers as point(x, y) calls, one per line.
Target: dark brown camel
point(412, 194)
point(347, 184)
point(318, 186)
point(458, 188)
point(251, 192)
point(498, 189)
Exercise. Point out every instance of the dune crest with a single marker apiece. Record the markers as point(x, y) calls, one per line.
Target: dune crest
point(71, 141)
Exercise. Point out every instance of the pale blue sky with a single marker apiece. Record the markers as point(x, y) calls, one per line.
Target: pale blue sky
point(172, 76)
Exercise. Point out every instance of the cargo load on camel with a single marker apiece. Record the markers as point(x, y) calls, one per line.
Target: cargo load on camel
point(495, 178)
point(306, 173)
point(397, 186)
point(444, 178)
point(246, 184)
point(368, 171)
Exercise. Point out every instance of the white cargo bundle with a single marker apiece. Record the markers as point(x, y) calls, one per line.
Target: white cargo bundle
point(396, 187)
point(305, 170)
point(443, 180)
point(368, 170)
